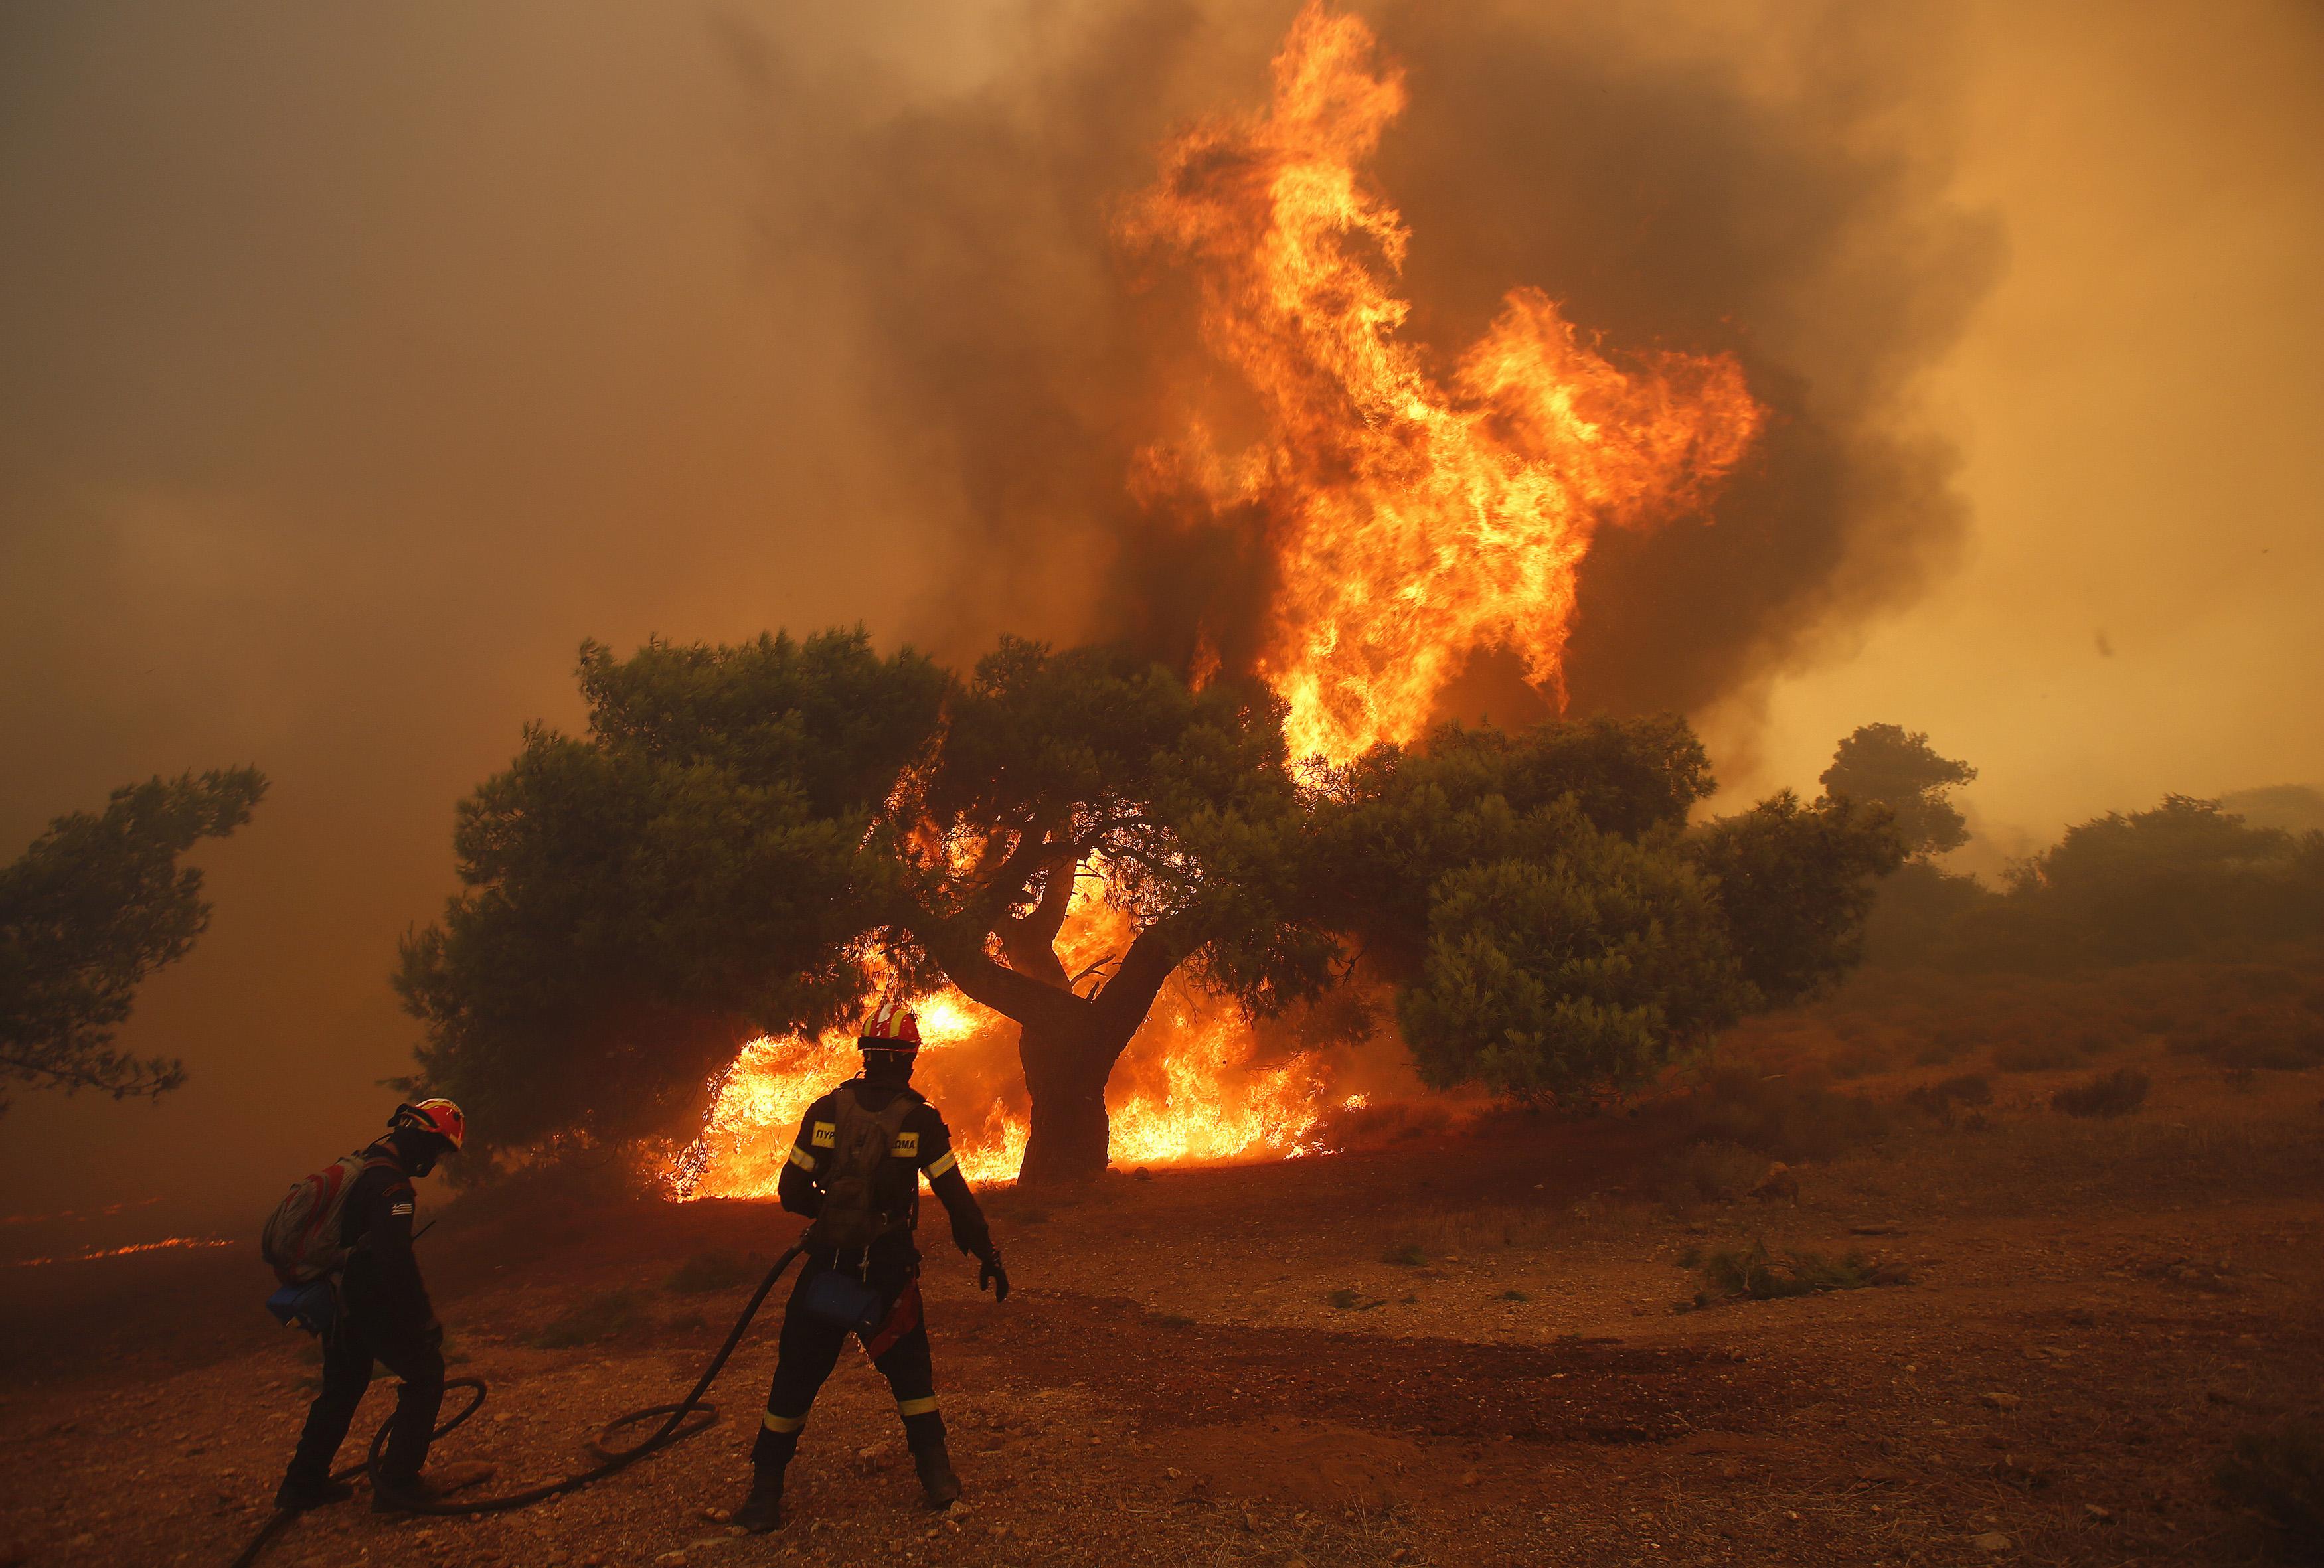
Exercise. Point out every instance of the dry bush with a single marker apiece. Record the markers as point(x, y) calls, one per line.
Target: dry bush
point(2280, 1475)
point(1709, 1173)
point(2115, 1094)
point(2282, 1035)
point(1754, 1275)
point(1937, 1101)
point(1783, 1117)
point(2036, 1054)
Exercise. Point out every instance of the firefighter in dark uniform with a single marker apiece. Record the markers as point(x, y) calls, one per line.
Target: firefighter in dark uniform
point(384, 1318)
point(855, 1171)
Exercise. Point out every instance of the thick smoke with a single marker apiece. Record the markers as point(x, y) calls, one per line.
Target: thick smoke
point(1776, 192)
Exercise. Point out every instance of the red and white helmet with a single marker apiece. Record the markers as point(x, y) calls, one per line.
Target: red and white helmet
point(440, 1117)
point(890, 1028)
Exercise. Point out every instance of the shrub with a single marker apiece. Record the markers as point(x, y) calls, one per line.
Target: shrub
point(2038, 1053)
point(2115, 1094)
point(708, 1271)
point(1938, 1100)
point(2282, 1037)
point(2280, 1476)
point(1713, 1172)
point(1408, 1254)
point(1755, 1275)
point(1783, 1118)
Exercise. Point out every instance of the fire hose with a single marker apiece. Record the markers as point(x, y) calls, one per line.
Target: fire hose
point(682, 1420)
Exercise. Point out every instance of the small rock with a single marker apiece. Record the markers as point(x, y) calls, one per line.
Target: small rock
point(2103, 1516)
point(671, 1560)
point(1470, 1478)
point(1992, 1541)
point(1993, 1399)
point(717, 1516)
point(1171, 1471)
point(1250, 1523)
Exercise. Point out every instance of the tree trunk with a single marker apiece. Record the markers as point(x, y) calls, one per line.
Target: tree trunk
point(1066, 1043)
point(1066, 1070)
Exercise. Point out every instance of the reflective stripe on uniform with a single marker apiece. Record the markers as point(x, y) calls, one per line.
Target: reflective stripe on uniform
point(916, 1406)
point(803, 1159)
point(941, 1164)
point(774, 1423)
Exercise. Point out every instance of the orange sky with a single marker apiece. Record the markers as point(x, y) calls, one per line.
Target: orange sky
point(360, 362)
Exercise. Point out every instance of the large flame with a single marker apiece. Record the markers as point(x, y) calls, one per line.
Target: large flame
point(1183, 1093)
point(1411, 520)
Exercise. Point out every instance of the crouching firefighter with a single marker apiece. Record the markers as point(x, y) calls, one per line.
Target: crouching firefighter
point(855, 1171)
point(341, 1243)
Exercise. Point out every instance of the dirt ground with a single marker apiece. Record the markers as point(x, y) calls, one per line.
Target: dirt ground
point(1460, 1352)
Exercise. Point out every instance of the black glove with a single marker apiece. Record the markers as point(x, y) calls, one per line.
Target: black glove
point(994, 1276)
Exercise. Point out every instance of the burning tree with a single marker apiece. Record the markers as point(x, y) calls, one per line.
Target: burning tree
point(753, 840)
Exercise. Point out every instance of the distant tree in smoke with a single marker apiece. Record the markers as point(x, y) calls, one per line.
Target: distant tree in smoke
point(1891, 766)
point(93, 907)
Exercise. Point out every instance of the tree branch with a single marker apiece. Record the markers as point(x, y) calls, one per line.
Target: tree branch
point(1130, 996)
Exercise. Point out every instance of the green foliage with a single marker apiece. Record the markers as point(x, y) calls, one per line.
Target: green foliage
point(1891, 766)
point(1794, 882)
point(94, 906)
point(1584, 960)
point(2115, 1094)
point(1052, 760)
point(2279, 1475)
point(1400, 820)
point(699, 869)
point(741, 827)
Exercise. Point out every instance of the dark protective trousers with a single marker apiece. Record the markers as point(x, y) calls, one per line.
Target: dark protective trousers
point(809, 1348)
point(350, 1351)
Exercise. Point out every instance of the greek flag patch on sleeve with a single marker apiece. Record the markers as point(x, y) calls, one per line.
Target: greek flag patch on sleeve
point(399, 1208)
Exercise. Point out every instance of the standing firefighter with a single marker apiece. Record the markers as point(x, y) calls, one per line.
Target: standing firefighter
point(855, 1171)
point(344, 1237)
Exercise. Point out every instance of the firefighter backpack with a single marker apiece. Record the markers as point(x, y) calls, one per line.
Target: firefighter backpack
point(857, 1210)
point(302, 1239)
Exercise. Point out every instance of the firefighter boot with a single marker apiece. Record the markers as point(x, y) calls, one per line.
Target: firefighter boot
point(939, 1488)
point(296, 1494)
point(763, 1511)
point(432, 1492)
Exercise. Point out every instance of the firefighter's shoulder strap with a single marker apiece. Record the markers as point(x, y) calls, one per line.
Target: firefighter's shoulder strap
point(855, 1210)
